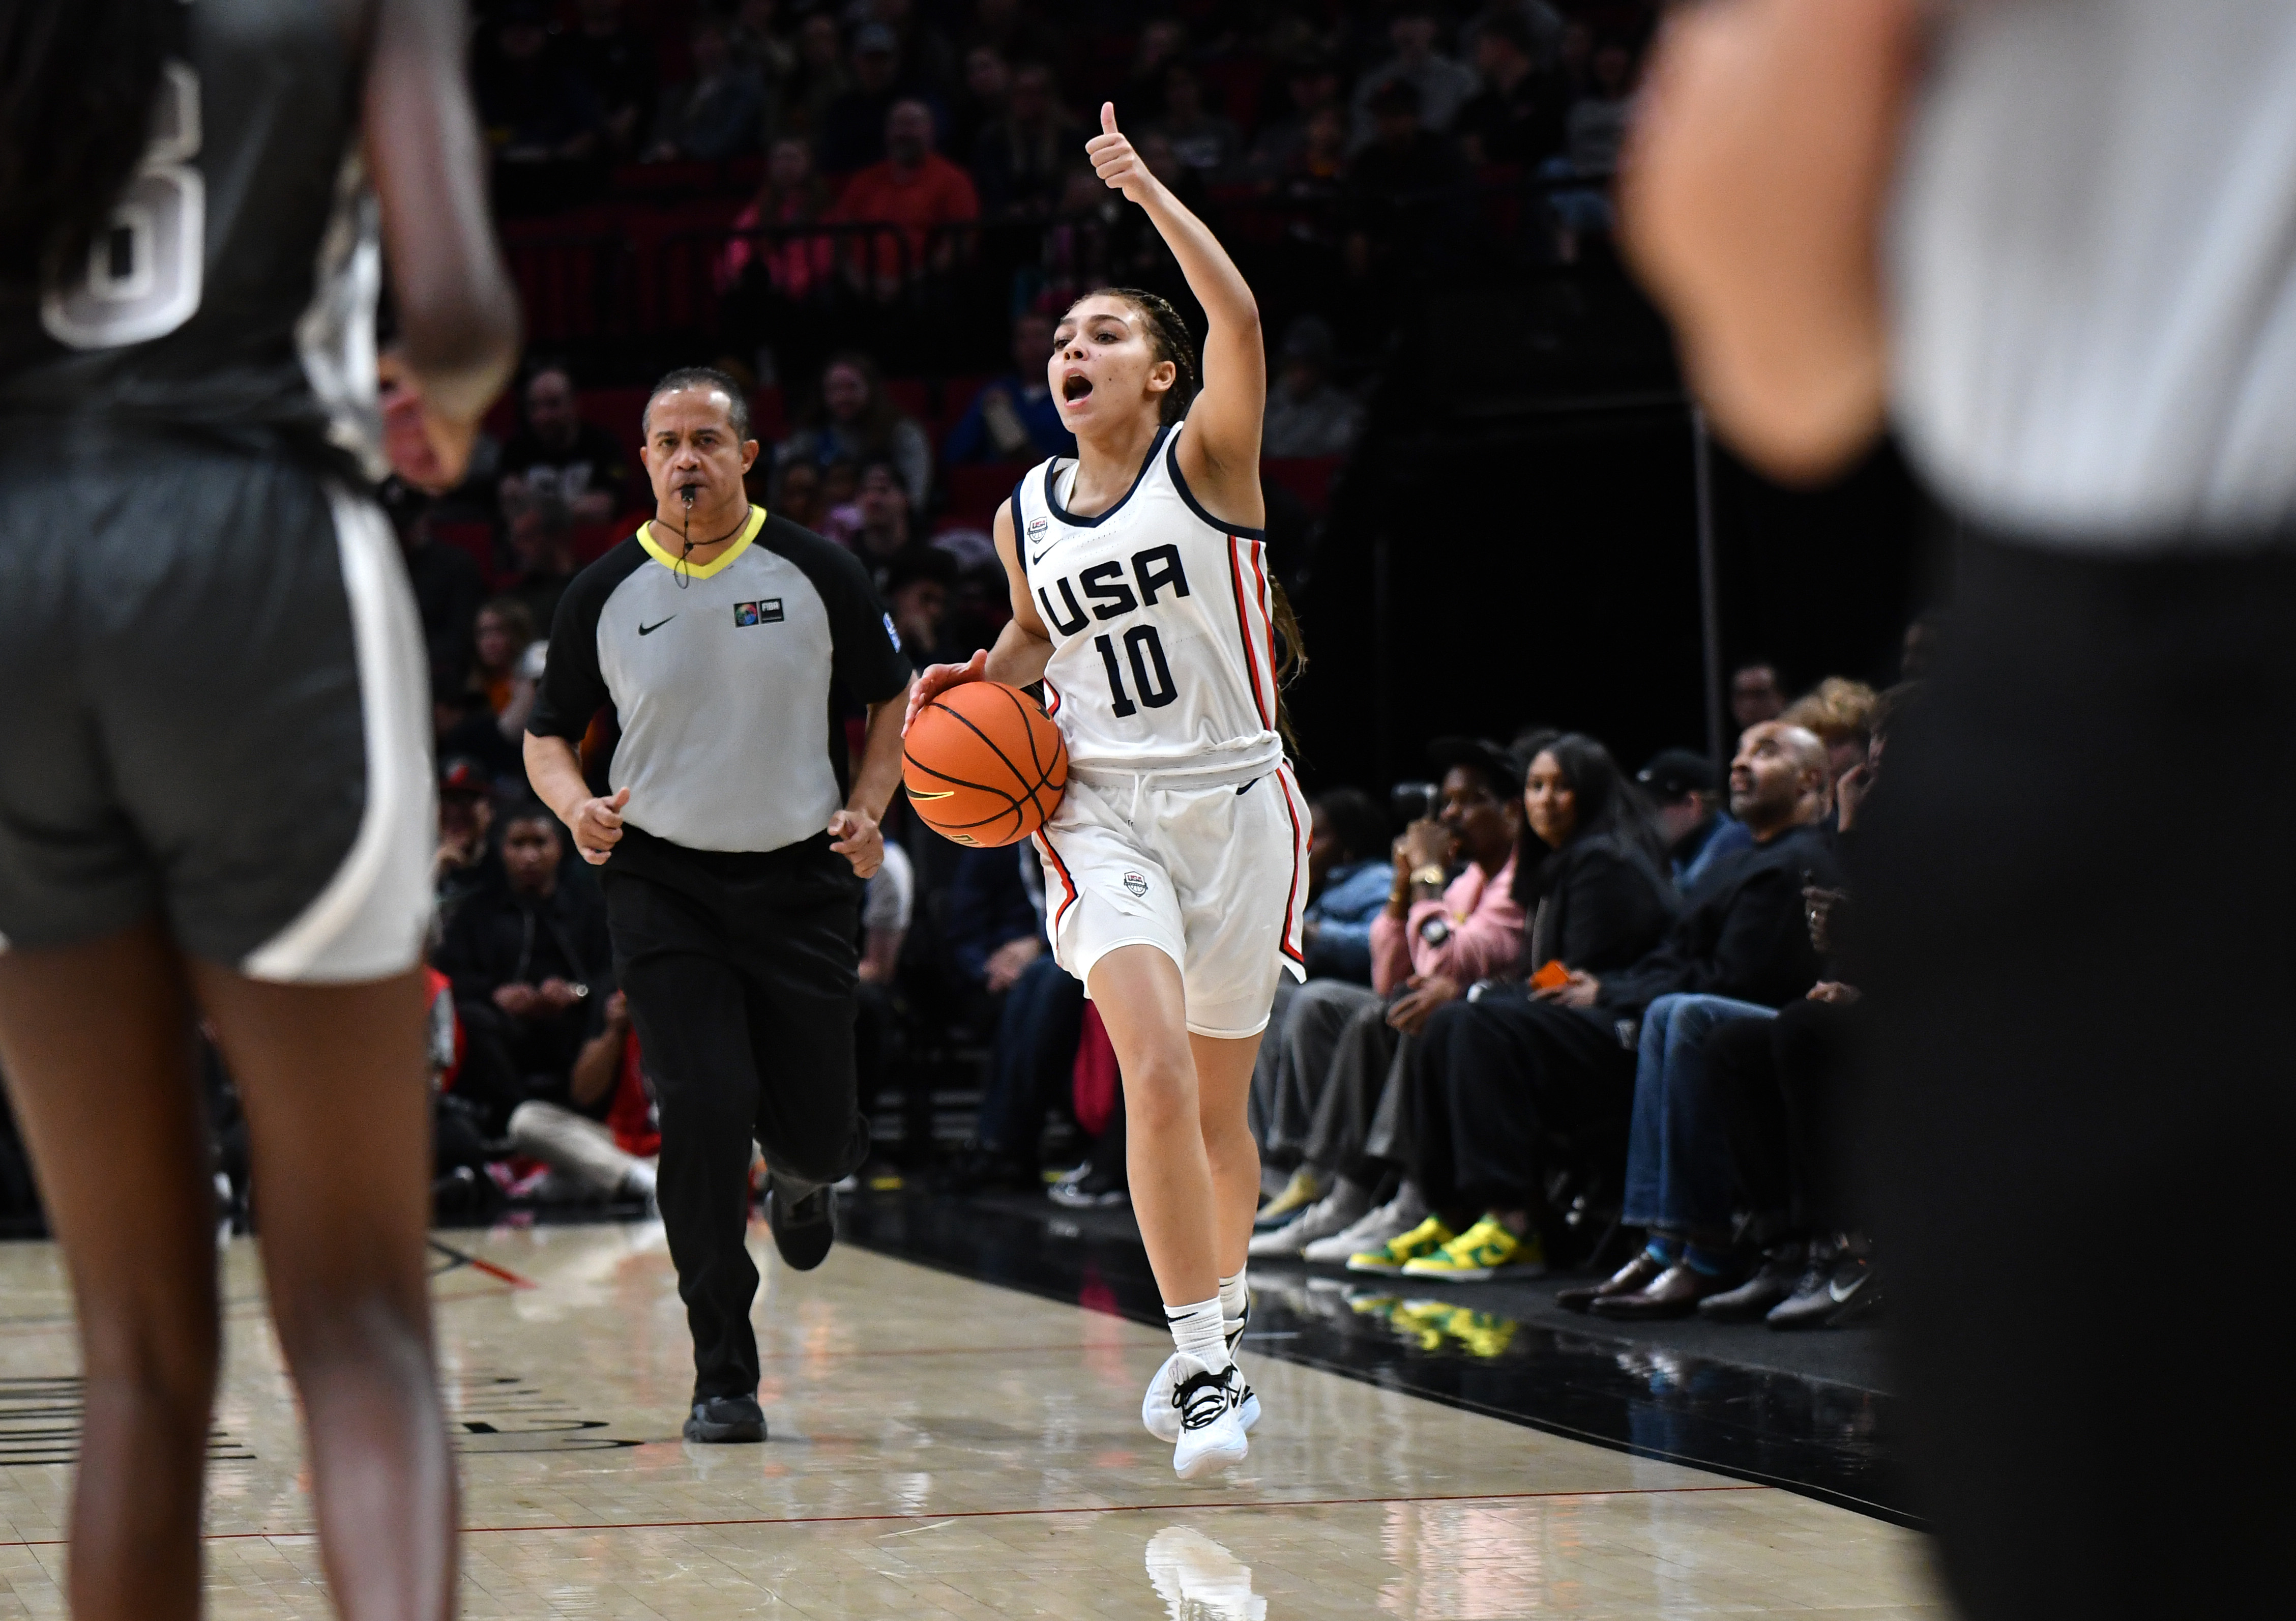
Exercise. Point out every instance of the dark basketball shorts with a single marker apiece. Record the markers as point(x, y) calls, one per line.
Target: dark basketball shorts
point(213, 710)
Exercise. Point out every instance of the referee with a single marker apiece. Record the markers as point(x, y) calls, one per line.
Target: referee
point(2055, 246)
point(733, 851)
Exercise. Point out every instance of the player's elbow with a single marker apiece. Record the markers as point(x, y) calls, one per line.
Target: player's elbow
point(461, 339)
point(1802, 416)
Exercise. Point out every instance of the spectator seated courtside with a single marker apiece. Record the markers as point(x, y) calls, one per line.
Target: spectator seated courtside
point(1347, 882)
point(531, 968)
point(1691, 818)
point(1435, 935)
point(1591, 884)
point(602, 1143)
point(1759, 957)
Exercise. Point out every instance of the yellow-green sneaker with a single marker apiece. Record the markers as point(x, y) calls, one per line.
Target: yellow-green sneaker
point(1481, 1333)
point(1484, 1250)
point(1392, 1256)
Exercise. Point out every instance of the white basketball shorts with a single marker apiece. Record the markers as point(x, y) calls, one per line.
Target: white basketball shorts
point(1215, 878)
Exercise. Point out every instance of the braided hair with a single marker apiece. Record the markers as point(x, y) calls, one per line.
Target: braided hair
point(1169, 339)
point(77, 80)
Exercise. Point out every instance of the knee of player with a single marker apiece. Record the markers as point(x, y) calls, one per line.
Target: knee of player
point(159, 1368)
point(352, 1324)
point(1159, 1089)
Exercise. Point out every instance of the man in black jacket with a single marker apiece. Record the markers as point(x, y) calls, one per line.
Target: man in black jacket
point(1741, 950)
point(531, 963)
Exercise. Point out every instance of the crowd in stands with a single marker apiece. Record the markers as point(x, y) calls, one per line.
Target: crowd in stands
point(826, 158)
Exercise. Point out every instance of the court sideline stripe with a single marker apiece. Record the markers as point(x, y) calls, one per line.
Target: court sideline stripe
point(949, 1514)
point(501, 1272)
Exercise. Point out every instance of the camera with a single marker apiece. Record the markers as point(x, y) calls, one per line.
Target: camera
point(1413, 801)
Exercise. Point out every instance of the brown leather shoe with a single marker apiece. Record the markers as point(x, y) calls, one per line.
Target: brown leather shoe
point(1630, 1279)
point(1674, 1292)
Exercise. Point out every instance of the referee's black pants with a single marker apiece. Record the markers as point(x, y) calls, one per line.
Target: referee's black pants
point(740, 970)
point(2076, 925)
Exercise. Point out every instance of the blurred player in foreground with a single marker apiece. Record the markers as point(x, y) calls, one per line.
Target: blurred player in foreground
point(2055, 246)
point(214, 784)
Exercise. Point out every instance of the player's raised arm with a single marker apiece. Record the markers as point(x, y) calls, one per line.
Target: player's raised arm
point(1221, 453)
point(456, 310)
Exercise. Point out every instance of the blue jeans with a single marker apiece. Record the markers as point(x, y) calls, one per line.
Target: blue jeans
point(1037, 1034)
point(1678, 1173)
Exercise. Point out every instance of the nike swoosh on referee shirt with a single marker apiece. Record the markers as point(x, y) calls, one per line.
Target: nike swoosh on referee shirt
point(658, 624)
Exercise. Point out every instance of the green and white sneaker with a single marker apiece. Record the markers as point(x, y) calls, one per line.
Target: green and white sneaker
point(1392, 1256)
point(1484, 1251)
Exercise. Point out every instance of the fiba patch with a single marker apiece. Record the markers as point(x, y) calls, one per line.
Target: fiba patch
point(766, 613)
point(1137, 885)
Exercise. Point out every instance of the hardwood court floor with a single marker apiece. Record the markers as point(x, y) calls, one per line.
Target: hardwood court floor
point(940, 1448)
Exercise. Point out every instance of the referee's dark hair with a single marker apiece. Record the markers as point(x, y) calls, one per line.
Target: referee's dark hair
point(737, 409)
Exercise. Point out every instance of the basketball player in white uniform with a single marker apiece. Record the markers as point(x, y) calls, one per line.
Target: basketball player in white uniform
point(1176, 865)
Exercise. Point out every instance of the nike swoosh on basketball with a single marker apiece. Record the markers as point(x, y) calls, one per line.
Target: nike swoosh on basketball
point(658, 624)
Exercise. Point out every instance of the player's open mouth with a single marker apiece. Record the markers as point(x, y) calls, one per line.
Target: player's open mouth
point(1075, 387)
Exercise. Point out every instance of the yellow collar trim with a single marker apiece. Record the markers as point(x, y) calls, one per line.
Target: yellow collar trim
point(668, 559)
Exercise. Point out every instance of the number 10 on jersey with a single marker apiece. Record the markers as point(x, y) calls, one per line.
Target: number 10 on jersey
point(1152, 675)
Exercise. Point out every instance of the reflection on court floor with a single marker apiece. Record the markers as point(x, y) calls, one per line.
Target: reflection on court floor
point(940, 1448)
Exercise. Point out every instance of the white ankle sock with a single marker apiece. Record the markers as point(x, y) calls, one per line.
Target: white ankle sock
point(1235, 1296)
point(1197, 1331)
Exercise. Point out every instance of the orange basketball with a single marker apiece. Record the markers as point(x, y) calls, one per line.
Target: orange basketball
point(984, 764)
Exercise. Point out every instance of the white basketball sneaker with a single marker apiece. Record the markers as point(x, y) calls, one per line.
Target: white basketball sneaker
point(1211, 1418)
point(1195, 1576)
point(1163, 1419)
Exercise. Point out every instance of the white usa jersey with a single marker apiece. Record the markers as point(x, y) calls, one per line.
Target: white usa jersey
point(1163, 636)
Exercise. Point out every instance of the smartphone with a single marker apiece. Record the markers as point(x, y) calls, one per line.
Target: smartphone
point(1552, 976)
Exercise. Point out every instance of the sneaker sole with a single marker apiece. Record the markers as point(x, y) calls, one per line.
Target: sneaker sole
point(723, 1435)
point(1212, 1461)
point(1473, 1275)
point(1384, 1269)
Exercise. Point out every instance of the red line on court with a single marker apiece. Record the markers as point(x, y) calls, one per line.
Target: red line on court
point(1112, 1508)
point(502, 1273)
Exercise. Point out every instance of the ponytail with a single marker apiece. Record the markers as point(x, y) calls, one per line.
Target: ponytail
point(77, 81)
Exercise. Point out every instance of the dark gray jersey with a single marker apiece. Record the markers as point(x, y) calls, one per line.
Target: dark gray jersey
point(727, 680)
point(234, 289)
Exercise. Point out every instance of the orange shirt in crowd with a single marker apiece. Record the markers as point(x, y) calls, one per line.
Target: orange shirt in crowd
point(935, 193)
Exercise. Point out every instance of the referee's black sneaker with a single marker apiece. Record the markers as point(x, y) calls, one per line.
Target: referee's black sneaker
point(726, 1419)
point(803, 1227)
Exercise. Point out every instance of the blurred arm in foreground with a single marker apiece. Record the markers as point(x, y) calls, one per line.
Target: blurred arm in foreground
point(1752, 200)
